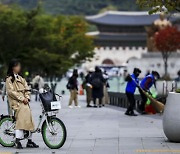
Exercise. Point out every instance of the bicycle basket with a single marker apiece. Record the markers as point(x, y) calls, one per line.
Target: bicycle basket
point(47, 98)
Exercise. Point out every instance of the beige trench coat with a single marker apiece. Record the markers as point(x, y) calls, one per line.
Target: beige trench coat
point(17, 92)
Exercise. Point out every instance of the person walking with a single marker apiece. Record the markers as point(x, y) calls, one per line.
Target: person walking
point(132, 81)
point(88, 87)
point(146, 84)
point(19, 98)
point(38, 83)
point(73, 88)
point(97, 81)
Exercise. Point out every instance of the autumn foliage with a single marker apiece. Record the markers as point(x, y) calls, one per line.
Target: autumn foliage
point(168, 39)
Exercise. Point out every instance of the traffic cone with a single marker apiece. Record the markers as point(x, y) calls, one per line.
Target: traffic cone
point(81, 91)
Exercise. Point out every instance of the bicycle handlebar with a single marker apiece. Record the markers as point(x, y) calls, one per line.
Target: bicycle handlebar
point(37, 91)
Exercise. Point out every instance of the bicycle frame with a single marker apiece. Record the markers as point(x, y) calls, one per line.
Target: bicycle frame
point(44, 114)
point(46, 117)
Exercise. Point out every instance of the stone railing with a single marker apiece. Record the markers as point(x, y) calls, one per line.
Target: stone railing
point(120, 99)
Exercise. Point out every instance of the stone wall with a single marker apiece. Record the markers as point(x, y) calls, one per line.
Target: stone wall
point(119, 56)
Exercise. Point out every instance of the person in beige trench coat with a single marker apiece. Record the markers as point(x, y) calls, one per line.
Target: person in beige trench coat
point(17, 92)
point(19, 98)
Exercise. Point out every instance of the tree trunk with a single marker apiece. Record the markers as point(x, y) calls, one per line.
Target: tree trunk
point(165, 59)
point(166, 67)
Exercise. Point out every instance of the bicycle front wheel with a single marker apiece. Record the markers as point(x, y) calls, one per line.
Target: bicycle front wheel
point(54, 133)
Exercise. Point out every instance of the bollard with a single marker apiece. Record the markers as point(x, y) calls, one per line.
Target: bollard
point(164, 87)
point(174, 86)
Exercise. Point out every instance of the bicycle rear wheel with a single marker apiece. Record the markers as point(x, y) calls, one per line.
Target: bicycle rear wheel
point(55, 138)
point(7, 132)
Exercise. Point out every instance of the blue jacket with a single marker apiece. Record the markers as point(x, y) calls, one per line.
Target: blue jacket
point(131, 85)
point(147, 82)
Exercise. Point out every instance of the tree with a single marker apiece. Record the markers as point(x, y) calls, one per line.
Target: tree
point(160, 5)
point(167, 41)
point(108, 8)
point(44, 43)
point(75, 7)
point(11, 23)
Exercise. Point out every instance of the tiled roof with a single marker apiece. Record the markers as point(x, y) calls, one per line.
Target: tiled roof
point(123, 18)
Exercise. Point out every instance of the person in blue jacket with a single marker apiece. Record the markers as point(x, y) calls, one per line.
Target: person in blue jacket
point(132, 81)
point(146, 84)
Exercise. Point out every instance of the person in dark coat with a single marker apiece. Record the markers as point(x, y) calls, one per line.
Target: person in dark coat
point(88, 87)
point(97, 81)
point(73, 88)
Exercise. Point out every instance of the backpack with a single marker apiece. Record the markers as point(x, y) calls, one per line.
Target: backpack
point(68, 86)
point(96, 83)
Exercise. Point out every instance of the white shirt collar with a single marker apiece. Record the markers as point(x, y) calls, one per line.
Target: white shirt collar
point(16, 76)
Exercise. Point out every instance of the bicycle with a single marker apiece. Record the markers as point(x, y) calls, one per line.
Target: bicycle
point(52, 128)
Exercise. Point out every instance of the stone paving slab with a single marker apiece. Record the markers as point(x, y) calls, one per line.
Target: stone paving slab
point(102, 131)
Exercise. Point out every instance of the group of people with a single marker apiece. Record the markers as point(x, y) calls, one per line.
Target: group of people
point(132, 83)
point(95, 84)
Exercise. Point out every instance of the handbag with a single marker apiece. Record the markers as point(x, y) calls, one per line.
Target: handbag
point(47, 98)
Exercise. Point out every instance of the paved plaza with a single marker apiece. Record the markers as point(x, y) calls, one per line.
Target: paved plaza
point(102, 131)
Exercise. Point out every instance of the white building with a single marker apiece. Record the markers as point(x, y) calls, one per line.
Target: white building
point(114, 56)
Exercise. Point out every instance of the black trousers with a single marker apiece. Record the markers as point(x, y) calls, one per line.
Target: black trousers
point(132, 102)
point(100, 101)
point(143, 102)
